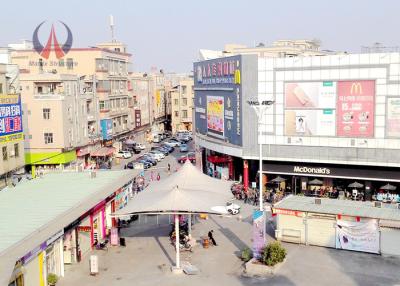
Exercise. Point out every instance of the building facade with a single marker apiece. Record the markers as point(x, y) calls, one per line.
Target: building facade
point(11, 127)
point(182, 105)
point(335, 117)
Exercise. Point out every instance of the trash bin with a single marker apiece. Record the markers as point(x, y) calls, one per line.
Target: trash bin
point(122, 241)
point(94, 265)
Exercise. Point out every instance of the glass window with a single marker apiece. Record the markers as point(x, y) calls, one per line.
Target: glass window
point(176, 101)
point(5, 155)
point(184, 101)
point(184, 113)
point(176, 113)
point(70, 63)
point(46, 113)
point(16, 150)
point(48, 138)
point(1, 88)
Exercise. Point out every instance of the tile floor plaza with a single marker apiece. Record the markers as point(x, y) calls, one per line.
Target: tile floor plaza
point(147, 258)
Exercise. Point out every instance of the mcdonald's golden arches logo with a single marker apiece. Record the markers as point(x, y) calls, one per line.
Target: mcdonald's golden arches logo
point(356, 88)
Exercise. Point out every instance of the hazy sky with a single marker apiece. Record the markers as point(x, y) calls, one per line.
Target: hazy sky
point(169, 33)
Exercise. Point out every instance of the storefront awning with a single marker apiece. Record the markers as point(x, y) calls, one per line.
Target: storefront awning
point(103, 152)
point(82, 152)
point(360, 173)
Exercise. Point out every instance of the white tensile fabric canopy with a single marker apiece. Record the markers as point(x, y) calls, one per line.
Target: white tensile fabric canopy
point(187, 191)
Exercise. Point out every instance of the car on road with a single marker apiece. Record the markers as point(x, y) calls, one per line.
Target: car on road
point(158, 153)
point(183, 148)
point(140, 146)
point(149, 159)
point(173, 143)
point(123, 154)
point(154, 156)
point(189, 156)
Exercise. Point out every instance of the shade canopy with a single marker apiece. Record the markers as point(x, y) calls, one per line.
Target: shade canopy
point(356, 185)
point(186, 191)
point(315, 182)
point(388, 187)
point(278, 179)
point(103, 152)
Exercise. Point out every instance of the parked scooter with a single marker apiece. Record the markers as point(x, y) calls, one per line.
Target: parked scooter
point(101, 245)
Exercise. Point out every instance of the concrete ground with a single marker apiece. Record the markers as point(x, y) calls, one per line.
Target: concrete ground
point(148, 256)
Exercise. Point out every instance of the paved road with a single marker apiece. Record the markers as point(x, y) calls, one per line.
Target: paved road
point(147, 258)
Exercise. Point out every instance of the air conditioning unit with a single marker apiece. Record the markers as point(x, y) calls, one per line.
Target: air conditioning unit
point(318, 201)
point(378, 204)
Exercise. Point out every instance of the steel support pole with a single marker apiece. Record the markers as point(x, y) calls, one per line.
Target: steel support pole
point(178, 263)
point(260, 179)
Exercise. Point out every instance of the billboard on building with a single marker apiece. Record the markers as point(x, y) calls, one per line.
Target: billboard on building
point(106, 128)
point(218, 99)
point(215, 115)
point(355, 108)
point(10, 118)
point(393, 117)
point(328, 108)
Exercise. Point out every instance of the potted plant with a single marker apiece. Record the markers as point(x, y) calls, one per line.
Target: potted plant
point(273, 254)
point(247, 254)
point(52, 279)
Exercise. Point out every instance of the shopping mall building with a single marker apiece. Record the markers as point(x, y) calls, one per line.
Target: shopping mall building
point(334, 117)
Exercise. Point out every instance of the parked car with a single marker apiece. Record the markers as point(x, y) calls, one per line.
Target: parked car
point(162, 150)
point(140, 146)
point(183, 148)
point(154, 156)
point(173, 143)
point(169, 148)
point(123, 154)
point(191, 156)
point(158, 153)
point(149, 159)
point(133, 164)
point(134, 149)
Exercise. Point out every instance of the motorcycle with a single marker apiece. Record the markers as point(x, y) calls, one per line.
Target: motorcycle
point(101, 245)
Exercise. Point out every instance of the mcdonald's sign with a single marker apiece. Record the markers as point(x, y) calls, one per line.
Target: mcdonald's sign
point(356, 88)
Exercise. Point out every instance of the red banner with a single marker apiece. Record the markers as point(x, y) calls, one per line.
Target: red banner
point(355, 108)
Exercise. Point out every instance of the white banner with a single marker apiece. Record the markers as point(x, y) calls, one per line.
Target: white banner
point(358, 236)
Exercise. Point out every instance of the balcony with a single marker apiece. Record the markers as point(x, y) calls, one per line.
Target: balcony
point(46, 96)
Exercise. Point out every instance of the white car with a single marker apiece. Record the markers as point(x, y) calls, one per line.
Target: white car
point(140, 146)
point(156, 157)
point(123, 154)
point(158, 153)
point(229, 209)
point(172, 143)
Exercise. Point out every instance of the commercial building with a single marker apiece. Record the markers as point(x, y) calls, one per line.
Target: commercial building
point(63, 214)
point(335, 117)
point(11, 127)
point(182, 105)
point(341, 224)
point(106, 64)
point(55, 119)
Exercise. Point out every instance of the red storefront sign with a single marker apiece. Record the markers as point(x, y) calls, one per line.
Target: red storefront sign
point(84, 228)
point(288, 212)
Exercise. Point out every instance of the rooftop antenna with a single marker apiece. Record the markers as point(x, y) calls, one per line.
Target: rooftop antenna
point(112, 28)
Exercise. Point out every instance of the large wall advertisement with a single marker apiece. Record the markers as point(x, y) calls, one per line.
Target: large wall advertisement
point(10, 118)
point(218, 99)
point(393, 117)
point(328, 108)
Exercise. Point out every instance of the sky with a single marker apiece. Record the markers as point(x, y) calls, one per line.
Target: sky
point(168, 34)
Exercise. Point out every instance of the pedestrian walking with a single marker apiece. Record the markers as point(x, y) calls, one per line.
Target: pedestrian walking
point(211, 237)
point(152, 175)
point(169, 168)
point(158, 177)
point(245, 197)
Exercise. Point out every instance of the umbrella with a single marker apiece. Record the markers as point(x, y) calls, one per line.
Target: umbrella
point(278, 179)
point(356, 185)
point(388, 187)
point(315, 182)
point(187, 191)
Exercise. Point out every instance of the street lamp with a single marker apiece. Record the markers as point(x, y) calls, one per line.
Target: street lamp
point(260, 107)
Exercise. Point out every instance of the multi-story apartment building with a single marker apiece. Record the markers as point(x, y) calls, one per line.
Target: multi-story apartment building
point(55, 119)
point(182, 105)
point(11, 128)
point(107, 63)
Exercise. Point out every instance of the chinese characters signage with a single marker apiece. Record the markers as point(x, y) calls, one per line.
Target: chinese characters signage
point(10, 118)
point(106, 128)
point(215, 115)
point(355, 108)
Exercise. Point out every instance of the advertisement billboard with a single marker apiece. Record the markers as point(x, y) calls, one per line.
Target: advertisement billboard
point(355, 108)
point(217, 99)
point(215, 115)
point(393, 117)
point(10, 118)
point(310, 95)
point(320, 122)
point(106, 128)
